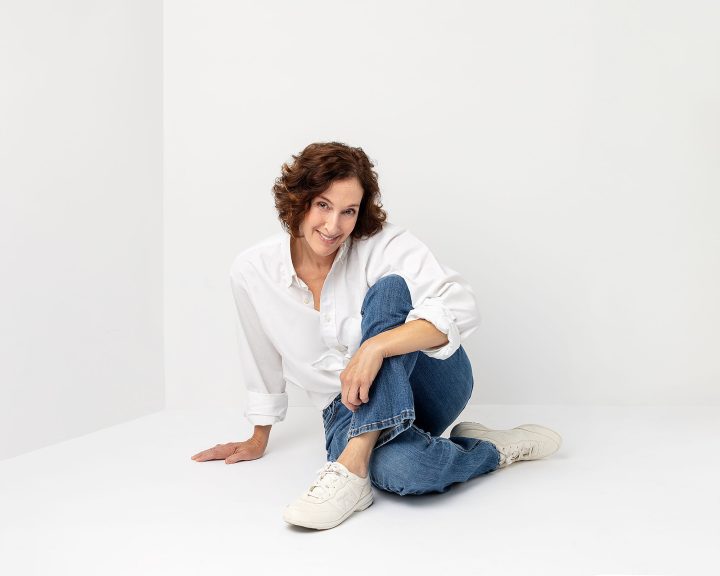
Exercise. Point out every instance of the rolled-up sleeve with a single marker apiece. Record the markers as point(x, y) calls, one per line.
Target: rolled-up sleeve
point(261, 364)
point(439, 294)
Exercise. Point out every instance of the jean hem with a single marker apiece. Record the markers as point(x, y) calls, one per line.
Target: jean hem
point(392, 426)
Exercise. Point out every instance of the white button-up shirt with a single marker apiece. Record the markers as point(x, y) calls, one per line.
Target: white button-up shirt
point(282, 338)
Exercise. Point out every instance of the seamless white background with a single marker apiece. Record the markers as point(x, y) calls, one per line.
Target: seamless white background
point(81, 220)
point(561, 155)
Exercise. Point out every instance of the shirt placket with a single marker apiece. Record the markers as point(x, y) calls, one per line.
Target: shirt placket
point(327, 311)
point(307, 295)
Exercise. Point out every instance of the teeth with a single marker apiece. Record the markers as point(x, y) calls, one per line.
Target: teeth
point(325, 237)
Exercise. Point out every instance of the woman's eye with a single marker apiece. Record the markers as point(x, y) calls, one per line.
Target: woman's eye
point(323, 205)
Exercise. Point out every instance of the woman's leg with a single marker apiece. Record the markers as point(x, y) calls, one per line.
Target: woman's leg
point(391, 408)
point(441, 390)
point(409, 390)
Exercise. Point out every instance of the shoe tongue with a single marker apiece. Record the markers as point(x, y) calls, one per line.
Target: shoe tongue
point(331, 468)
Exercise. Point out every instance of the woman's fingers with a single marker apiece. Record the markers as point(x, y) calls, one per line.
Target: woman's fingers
point(349, 401)
point(358, 376)
point(356, 396)
point(364, 393)
point(214, 453)
point(199, 455)
point(239, 456)
point(245, 451)
point(232, 452)
point(204, 455)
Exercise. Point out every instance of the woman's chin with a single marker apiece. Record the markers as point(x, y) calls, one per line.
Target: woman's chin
point(324, 250)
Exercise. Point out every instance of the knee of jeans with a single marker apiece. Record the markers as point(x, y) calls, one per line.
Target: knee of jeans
point(399, 488)
point(396, 471)
point(391, 488)
point(392, 284)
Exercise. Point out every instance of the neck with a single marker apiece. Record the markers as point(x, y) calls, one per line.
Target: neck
point(304, 257)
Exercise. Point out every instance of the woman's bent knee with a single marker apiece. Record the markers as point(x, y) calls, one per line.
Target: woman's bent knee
point(398, 465)
point(392, 286)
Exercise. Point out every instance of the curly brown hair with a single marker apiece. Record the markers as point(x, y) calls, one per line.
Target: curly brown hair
point(313, 171)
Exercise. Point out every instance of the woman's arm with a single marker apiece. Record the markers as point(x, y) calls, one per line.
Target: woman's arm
point(262, 434)
point(439, 294)
point(266, 399)
point(415, 335)
point(359, 374)
point(233, 452)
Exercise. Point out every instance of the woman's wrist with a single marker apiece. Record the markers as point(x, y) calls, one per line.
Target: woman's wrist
point(374, 345)
point(262, 433)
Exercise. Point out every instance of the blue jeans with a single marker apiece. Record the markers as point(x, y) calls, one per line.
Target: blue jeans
point(413, 399)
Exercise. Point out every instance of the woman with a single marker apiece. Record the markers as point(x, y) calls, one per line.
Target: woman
point(359, 313)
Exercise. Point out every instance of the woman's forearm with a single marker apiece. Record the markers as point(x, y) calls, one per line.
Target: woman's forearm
point(262, 433)
point(414, 335)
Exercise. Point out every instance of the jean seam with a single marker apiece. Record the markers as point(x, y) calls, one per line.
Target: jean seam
point(333, 407)
point(426, 435)
point(381, 486)
point(330, 421)
point(408, 414)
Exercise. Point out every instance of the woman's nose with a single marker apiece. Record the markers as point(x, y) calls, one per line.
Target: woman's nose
point(331, 224)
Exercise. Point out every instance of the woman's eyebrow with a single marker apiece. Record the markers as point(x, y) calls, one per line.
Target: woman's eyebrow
point(328, 201)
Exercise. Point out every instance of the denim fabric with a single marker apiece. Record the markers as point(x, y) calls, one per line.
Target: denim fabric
point(413, 399)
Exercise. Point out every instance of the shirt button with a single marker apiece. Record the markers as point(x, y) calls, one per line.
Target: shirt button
point(306, 300)
point(327, 317)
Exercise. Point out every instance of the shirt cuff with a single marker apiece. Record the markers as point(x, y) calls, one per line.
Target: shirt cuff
point(434, 312)
point(263, 409)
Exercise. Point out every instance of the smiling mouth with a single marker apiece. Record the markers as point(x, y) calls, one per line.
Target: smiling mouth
point(328, 239)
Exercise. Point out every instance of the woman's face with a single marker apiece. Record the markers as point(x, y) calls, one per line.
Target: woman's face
point(333, 215)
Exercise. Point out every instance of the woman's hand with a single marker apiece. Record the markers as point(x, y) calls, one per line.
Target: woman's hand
point(360, 374)
point(232, 452)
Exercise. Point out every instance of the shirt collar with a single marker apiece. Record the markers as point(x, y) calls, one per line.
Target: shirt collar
point(289, 269)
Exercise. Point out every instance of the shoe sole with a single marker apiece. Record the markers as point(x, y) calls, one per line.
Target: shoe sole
point(364, 503)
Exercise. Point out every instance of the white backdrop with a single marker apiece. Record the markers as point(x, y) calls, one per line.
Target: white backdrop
point(563, 156)
point(81, 322)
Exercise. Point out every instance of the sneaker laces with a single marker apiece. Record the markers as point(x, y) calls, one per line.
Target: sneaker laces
point(327, 480)
point(513, 452)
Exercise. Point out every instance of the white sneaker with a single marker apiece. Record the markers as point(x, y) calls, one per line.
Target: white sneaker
point(526, 442)
point(331, 499)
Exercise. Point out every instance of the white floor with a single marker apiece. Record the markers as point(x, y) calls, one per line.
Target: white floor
point(632, 491)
